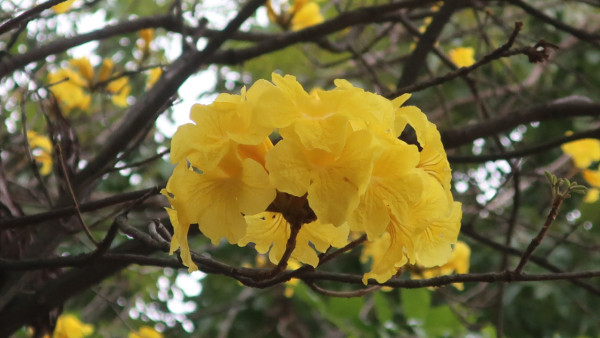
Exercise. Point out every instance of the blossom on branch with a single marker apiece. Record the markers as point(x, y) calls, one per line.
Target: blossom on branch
point(338, 165)
point(41, 149)
point(302, 14)
point(462, 56)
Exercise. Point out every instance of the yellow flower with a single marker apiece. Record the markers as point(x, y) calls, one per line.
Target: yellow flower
point(420, 230)
point(153, 76)
point(41, 148)
point(583, 152)
point(433, 157)
point(302, 14)
point(121, 89)
point(227, 120)
point(145, 332)
point(217, 199)
point(325, 176)
point(63, 6)
point(592, 177)
point(71, 86)
point(69, 326)
point(338, 166)
point(592, 195)
point(84, 67)
point(68, 87)
point(458, 262)
point(462, 56)
point(306, 15)
point(270, 232)
point(105, 70)
point(146, 35)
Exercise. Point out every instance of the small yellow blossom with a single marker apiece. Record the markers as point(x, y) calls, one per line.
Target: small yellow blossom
point(68, 87)
point(121, 89)
point(105, 70)
point(145, 332)
point(69, 326)
point(302, 14)
point(583, 152)
point(146, 36)
point(63, 6)
point(458, 262)
point(462, 56)
point(153, 76)
point(592, 195)
point(41, 148)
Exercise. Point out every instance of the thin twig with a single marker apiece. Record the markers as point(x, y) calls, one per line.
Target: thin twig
point(324, 258)
point(342, 294)
point(63, 168)
point(556, 203)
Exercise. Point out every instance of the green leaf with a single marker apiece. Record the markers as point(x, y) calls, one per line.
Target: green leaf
point(415, 303)
point(345, 307)
point(382, 307)
point(441, 321)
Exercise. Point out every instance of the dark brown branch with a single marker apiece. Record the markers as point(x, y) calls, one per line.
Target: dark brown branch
point(583, 35)
point(534, 150)
point(416, 60)
point(58, 46)
point(312, 33)
point(83, 207)
point(27, 15)
point(537, 240)
point(563, 108)
point(501, 52)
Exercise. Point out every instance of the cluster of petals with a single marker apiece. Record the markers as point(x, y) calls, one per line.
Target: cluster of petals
point(338, 152)
point(74, 84)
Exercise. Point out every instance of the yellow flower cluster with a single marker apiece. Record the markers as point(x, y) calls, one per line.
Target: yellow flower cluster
point(69, 326)
point(72, 85)
point(338, 167)
point(302, 14)
point(584, 152)
point(41, 149)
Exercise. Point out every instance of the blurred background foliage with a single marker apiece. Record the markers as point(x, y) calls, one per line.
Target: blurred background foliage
point(178, 304)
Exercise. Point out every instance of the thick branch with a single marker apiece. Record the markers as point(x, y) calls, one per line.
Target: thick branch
point(563, 108)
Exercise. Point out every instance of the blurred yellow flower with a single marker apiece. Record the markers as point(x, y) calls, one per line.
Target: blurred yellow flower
point(146, 36)
point(41, 148)
point(70, 89)
point(462, 56)
point(302, 14)
point(120, 89)
point(583, 152)
point(63, 6)
point(105, 70)
point(458, 262)
point(72, 86)
point(153, 76)
point(145, 332)
point(69, 326)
